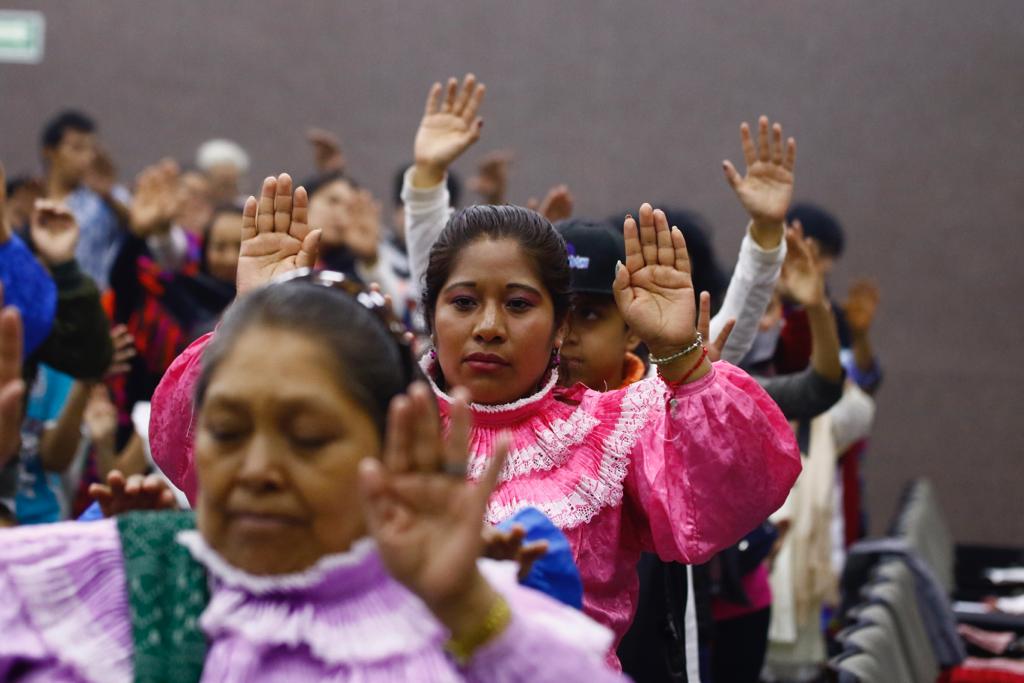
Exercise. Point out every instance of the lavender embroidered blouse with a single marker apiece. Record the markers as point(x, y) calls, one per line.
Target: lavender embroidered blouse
point(682, 471)
point(65, 617)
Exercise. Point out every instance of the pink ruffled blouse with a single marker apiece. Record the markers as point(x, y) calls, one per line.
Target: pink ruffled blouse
point(681, 471)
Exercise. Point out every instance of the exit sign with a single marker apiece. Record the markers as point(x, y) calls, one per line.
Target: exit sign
point(21, 36)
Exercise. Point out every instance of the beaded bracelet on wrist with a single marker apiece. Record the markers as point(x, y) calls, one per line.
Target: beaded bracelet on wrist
point(697, 343)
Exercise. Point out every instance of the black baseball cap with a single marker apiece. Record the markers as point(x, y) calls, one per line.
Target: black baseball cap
point(594, 248)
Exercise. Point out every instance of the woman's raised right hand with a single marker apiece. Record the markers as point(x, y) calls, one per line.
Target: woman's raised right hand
point(449, 127)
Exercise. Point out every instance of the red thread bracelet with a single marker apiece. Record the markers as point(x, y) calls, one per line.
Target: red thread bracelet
point(689, 373)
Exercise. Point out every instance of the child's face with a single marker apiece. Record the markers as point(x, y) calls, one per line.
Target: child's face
point(329, 212)
point(225, 243)
point(595, 348)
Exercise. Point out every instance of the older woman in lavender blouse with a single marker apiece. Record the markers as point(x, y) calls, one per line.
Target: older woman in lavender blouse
point(335, 536)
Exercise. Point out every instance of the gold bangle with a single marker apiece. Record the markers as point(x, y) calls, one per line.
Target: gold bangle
point(496, 621)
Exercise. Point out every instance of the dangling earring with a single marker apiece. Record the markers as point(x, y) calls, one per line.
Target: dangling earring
point(556, 357)
point(432, 353)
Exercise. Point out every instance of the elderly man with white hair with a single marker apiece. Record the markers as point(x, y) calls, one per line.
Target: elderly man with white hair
point(224, 162)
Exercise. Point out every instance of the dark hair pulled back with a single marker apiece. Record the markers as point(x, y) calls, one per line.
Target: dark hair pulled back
point(540, 242)
point(368, 361)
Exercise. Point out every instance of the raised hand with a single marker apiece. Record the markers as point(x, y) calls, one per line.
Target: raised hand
point(137, 492)
point(556, 206)
point(423, 513)
point(449, 126)
point(327, 153)
point(100, 418)
point(124, 351)
point(12, 386)
point(54, 232)
point(861, 305)
point(704, 327)
point(491, 179)
point(801, 279)
point(156, 201)
point(654, 289)
point(508, 545)
point(275, 236)
point(102, 174)
point(767, 189)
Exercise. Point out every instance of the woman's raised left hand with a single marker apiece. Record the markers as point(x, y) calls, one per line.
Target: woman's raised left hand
point(654, 289)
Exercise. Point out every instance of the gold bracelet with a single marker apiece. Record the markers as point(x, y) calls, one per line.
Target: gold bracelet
point(496, 621)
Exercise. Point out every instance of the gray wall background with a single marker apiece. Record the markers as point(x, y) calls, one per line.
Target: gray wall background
point(909, 118)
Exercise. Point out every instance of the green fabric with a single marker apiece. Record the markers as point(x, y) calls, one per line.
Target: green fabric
point(168, 591)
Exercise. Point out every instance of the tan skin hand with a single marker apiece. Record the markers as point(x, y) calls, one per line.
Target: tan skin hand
point(557, 204)
point(801, 279)
point(704, 327)
point(654, 292)
point(276, 237)
point(508, 545)
point(100, 417)
point(137, 492)
point(427, 522)
point(861, 306)
point(54, 232)
point(124, 351)
point(327, 154)
point(767, 189)
point(450, 125)
point(157, 199)
point(491, 179)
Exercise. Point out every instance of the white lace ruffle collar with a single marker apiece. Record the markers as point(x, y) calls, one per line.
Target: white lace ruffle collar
point(232, 576)
point(427, 365)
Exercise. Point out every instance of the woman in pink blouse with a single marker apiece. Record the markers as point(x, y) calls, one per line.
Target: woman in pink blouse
point(335, 537)
point(682, 464)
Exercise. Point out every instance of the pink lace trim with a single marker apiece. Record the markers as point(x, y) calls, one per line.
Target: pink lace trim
point(552, 448)
point(580, 501)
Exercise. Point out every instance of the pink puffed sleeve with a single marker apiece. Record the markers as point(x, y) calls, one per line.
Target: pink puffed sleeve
point(172, 418)
point(716, 458)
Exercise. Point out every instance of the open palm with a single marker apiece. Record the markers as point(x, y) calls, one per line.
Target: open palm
point(423, 513)
point(801, 279)
point(654, 290)
point(276, 237)
point(449, 127)
point(156, 199)
point(767, 189)
point(54, 232)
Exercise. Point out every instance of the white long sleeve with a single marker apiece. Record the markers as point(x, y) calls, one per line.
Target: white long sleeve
point(750, 292)
point(852, 417)
point(426, 213)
